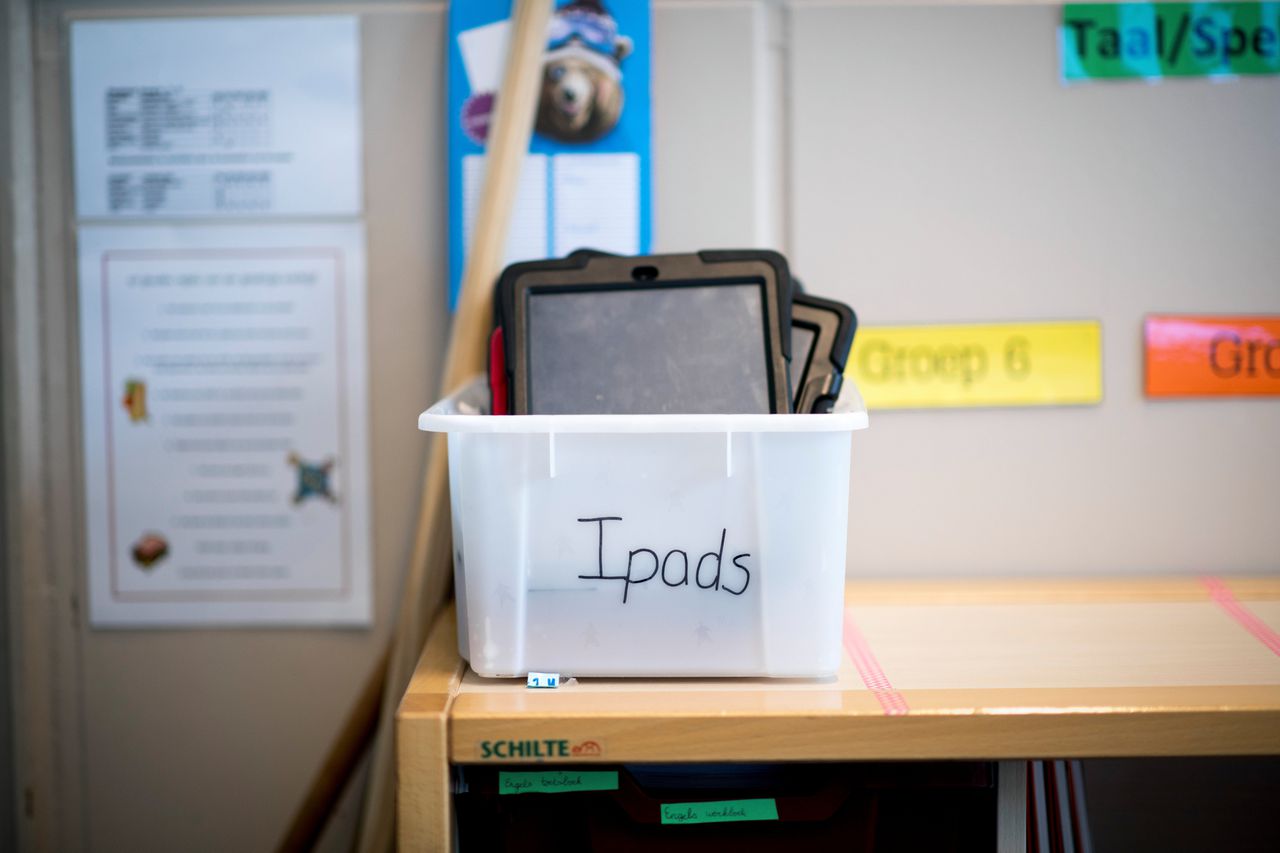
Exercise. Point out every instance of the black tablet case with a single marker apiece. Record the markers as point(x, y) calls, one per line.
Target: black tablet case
point(662, 321)
point(822, 335)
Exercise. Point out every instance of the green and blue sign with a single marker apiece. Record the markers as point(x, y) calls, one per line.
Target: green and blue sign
point(1157, 40)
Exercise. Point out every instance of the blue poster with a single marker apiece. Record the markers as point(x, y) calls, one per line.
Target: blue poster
point(585, 182)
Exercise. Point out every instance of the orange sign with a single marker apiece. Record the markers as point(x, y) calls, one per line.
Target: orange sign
point(1194, 356)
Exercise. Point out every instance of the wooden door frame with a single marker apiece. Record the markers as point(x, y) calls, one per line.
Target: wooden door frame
point(42, 585)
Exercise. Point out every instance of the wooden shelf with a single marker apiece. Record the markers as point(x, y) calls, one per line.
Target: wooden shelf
point(932, 670)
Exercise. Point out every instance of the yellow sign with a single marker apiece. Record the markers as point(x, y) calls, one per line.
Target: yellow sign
point(996, 364)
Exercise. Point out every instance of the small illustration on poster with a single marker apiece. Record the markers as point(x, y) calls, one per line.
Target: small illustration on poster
point(150, 549)
point(135, 400)
point(313, 479)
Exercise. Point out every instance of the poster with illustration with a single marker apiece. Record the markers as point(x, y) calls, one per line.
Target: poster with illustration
point(224, 424)
point(585, 182)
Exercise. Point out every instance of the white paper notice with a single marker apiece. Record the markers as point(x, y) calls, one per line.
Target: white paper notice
point(216, 116)
point(224, 406)
point(483, 51)
point(527, 233)
point(597, 203)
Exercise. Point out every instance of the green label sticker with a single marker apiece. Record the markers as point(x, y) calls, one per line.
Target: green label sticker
point(1153, 40)
point(557, 781)
point(724, 811)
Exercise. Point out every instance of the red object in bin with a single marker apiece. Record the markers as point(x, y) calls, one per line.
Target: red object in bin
point(497, 373)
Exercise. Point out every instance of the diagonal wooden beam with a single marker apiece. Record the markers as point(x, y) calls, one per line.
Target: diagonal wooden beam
point(427, 579)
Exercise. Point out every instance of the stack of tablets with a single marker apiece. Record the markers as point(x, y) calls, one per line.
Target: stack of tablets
point(717, 332)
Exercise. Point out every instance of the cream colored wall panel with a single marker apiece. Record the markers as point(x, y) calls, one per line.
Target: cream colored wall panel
point(941, 173)
point(711, 134)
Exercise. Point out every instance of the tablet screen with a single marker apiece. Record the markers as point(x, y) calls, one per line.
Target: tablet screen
point(650, 350)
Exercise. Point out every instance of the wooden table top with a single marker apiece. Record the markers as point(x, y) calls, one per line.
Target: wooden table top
point(983, 669)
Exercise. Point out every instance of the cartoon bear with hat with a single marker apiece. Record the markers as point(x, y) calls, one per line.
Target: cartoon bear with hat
point(582, 94)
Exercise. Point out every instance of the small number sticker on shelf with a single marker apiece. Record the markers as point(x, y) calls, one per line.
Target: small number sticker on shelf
point(544, 679)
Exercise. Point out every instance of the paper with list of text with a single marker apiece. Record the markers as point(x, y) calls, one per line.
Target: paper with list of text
point(224, 409)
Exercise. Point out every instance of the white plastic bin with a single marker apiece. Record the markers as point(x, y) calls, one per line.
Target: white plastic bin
point(648, 545)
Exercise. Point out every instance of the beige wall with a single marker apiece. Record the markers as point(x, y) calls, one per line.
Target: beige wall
point(941, 173)
point(924, 165)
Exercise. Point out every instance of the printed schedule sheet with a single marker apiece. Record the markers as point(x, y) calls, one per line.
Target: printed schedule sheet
point(221, 117)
